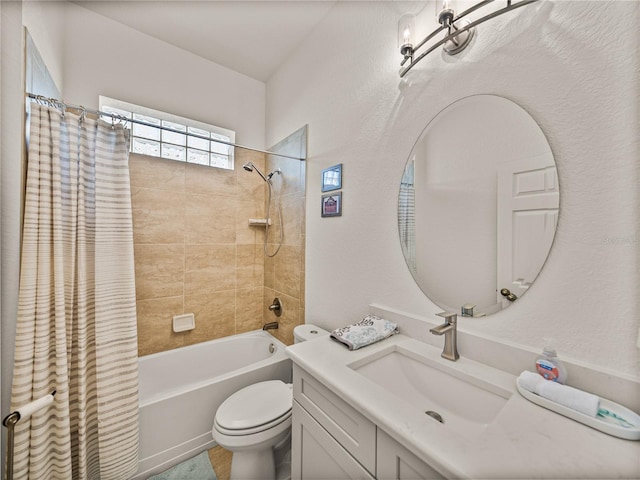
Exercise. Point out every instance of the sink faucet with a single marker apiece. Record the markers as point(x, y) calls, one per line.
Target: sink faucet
point(450, 332)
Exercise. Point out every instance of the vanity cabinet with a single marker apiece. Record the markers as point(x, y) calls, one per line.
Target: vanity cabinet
point(317, 454)
point(343, 425)
point(395, 462)
point(331, 440)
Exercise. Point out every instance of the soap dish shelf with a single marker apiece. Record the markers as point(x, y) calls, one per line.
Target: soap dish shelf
point(628, 433)
point(259, 222)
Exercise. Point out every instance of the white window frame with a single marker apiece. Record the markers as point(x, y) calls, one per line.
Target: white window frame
point(188, 147)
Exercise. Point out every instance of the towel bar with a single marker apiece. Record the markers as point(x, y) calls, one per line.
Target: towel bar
point(14, 417)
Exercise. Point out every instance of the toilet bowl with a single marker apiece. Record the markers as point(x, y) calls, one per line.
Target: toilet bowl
point(252, 421)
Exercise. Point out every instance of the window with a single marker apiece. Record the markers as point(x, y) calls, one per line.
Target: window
point(172, 137)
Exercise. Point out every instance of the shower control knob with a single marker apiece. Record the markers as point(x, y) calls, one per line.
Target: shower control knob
point(276, 307)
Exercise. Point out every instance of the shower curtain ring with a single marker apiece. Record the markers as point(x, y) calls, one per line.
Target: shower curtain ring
point(83, 113)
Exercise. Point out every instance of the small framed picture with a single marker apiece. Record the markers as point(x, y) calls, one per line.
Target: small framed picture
point(332, 178)
point(332, 205)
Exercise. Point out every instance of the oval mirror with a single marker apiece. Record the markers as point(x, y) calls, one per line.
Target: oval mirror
point(478, 205)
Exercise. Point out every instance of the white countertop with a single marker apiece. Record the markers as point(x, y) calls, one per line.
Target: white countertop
point(524, 440)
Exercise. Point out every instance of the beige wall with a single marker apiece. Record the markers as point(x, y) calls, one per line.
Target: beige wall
point(196, 253)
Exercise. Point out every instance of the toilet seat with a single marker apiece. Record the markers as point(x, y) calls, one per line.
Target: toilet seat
point(255, 408)
point(250, 431)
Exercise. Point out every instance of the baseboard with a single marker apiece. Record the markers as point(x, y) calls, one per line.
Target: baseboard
point(162, 461)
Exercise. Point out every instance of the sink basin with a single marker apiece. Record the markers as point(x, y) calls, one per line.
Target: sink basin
point(463, 402)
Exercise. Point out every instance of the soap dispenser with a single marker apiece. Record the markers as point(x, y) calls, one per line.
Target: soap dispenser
point(550, 367)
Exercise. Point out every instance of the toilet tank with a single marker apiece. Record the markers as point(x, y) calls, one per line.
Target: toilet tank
point(308, 331)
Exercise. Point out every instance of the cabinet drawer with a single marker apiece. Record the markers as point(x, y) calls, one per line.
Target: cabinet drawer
point(316, 455)
point(350, 428)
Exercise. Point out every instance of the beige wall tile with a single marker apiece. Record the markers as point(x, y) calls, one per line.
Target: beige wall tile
point(210, 181)
point(195, 249)
point(302, 290)
point(243, 156)
point(214, 313)
point(157, 173)
point(292, 216)
point(303, 178)
point(158, 215)
point(247, 208)
point(270, 271)
point(159, 270)
point(249, 266)
point(210, 219)
point(209, 268)
point(274, 238)
point(155, 325)
point(287, 271)
point(249, 184)
point(303, 219)
point(289, 181)
point(249, 309)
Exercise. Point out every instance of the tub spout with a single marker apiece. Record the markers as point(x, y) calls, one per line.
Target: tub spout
point(270, 326)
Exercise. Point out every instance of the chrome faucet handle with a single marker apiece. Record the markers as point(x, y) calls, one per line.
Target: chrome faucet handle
point(449, 317)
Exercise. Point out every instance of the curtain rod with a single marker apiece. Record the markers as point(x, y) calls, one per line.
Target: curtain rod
point(61, 104)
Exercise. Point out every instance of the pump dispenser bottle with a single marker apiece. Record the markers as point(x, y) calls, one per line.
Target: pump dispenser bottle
point(550, 367)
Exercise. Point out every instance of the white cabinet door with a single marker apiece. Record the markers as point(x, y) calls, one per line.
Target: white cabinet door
point(316, 455)
point(528, 200)
point(348, 426)
point(395, 462)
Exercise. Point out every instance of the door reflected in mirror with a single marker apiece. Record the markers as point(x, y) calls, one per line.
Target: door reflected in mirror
point(478, 205)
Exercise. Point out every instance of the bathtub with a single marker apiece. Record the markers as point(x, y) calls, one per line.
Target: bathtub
point(181, 389)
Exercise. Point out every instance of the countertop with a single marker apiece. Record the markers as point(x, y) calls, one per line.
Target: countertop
point(523, 441)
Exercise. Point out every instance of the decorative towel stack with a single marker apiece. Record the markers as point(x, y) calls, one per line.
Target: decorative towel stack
point(570, 397)
point(369, 330)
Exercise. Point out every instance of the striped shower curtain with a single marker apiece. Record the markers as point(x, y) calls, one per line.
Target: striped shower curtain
point(407, 217)
point(76, 327)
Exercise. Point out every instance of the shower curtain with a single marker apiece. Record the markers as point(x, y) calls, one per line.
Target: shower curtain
point(76, 326)
point(407, 217)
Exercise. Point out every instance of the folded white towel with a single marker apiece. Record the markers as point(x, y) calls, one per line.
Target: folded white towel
point(530, 380)
point(369, 330)
point(570, 397)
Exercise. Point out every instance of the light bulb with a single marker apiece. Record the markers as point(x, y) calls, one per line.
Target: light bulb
point(407, 34)
point(406, 31)
point(445, 12)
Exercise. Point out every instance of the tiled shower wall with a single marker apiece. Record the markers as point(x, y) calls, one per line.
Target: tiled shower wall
point(196, 253)
point(284, 273)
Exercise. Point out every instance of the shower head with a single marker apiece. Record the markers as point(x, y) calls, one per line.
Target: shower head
point(250, 167)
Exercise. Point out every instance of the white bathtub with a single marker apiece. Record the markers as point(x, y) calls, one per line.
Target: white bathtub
point(181, 389)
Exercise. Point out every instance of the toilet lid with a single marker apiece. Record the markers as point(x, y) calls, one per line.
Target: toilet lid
point(255, 405)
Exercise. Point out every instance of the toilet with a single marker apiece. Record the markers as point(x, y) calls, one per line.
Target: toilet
point(257, 418)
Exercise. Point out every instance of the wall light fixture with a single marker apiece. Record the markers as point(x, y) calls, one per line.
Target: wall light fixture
point(459, 31)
